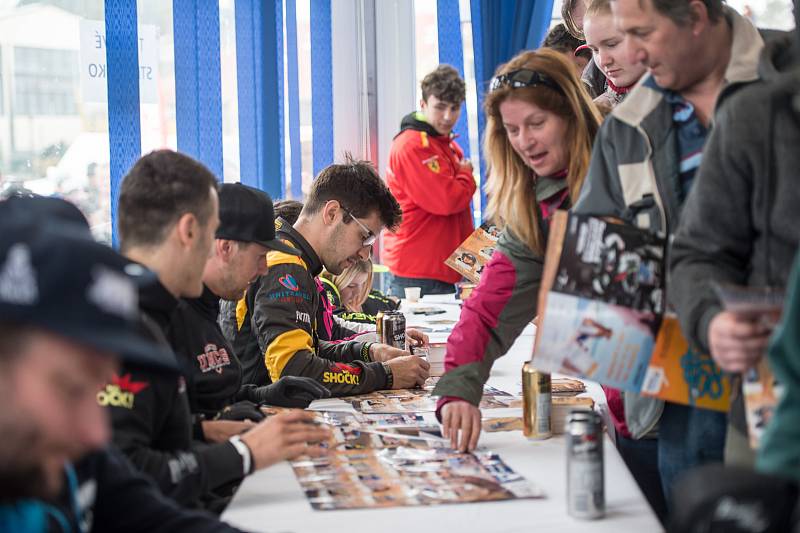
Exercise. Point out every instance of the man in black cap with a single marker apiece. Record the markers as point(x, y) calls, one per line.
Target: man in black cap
point(214, 373)
point(168, 216)
point(68, 314)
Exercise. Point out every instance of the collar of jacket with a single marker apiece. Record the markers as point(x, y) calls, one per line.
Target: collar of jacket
point(207, 304)
point(742, 67)
point(157, 301)
point(332, 286)
point(416, 121)
point(548, 186)
point(307, 253)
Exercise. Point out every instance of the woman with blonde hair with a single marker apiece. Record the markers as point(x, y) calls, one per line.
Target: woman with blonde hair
point(351, 296)
point(538, 142)
point(605, 41)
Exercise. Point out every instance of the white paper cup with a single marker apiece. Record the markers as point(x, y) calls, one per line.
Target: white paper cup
point(436, 352)
point(412, 293)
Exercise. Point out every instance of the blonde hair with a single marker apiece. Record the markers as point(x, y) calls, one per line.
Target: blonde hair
point(511, 183)
point(347, 276)
point(567, 8)
point(598, 7)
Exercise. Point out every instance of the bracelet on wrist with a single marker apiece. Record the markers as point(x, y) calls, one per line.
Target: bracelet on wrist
point(389, 375)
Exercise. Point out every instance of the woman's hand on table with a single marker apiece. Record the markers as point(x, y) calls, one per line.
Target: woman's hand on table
point(459, 416)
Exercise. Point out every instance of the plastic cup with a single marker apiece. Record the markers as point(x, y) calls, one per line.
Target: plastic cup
point(412, 293)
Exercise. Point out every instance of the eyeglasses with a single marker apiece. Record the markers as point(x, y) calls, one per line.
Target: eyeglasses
point(370, 239)
point(517, 79)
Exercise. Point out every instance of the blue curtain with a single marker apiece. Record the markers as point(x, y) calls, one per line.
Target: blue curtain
point(321, 84)
point(259, 65)
point(124, 128)
point(451, 52)
point(499, 31)
point(198, 113)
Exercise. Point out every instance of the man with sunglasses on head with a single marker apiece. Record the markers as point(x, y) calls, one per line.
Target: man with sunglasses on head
point(347, 208)
point(433, 183)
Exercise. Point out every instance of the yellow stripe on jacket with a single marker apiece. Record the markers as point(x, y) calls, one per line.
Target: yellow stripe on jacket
point(283, 348)
point(241, 312)
point(275, 258)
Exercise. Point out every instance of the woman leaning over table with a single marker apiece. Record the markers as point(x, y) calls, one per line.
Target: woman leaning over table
point(539, 132)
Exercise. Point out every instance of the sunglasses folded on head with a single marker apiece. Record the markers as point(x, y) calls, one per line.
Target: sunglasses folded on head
point(516, 79)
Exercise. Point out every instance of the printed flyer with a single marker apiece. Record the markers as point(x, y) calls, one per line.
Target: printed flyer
point(473, 254)
point(603, 317)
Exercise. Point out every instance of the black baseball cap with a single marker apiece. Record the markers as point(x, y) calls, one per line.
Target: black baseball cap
point(54, 276)
point(246, 215)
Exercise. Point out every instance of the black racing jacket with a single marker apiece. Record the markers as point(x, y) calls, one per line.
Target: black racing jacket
point(213, 372)
point(329, 329)
point(103, 493)
point(277, 330)
point(152, 424)
point(376, 302)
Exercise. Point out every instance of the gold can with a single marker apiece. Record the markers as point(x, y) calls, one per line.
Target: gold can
point(379, 325)
point(536, 402)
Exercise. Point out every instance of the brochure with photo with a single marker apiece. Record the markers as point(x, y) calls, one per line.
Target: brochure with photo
point(602, 315)
point(473, 254)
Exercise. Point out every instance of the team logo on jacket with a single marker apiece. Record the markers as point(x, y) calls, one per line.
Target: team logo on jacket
point(343, 374)
point(289, 282)
point(213, 358)
point(432, 163)
point(121, 392)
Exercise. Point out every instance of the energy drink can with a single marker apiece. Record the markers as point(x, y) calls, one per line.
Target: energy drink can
point(393, 329)
point(585, 485)
point(536, 390)
point(379, 325)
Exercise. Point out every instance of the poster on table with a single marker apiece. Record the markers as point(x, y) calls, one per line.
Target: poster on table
point(385, 461)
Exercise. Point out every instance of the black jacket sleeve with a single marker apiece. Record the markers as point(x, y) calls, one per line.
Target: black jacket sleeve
point(284, 312)
point(129, 502)
point(152, 427)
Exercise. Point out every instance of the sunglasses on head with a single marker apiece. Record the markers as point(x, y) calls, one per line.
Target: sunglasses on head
point(517, 79)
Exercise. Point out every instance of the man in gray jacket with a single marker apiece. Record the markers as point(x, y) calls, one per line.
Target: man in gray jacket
point(741, 223)
point(697, 53)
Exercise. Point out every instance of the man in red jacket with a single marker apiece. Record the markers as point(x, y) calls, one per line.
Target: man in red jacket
point(433, 183)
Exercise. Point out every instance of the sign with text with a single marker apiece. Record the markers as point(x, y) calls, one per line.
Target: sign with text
point(94, 74)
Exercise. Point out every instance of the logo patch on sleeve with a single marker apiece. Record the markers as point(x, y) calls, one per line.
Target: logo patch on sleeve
point(289, 282)
point(213, 358)
point(121, 392)
point(343, 374)
point(433, 163)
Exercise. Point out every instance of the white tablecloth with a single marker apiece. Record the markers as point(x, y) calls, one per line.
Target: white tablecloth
point(271, 500)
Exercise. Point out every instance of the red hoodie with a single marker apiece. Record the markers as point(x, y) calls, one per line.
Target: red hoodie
point(425, 176)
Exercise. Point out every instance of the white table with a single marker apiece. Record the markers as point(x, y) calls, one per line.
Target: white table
point(271, 500)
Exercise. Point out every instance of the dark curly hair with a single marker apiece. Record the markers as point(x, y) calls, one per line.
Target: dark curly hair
point(357, 186)
point(444, 83)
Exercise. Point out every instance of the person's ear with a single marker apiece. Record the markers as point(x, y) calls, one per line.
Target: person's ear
point(698, 17)
point(422, 104)
point(330, 211)
point(187, 230)
point(226, 249)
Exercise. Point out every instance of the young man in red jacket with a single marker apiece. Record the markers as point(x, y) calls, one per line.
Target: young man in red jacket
point(434, 185)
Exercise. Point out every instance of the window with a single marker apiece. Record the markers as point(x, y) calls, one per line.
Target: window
point(53, 140)
point(230, 96)
point(44, 81)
